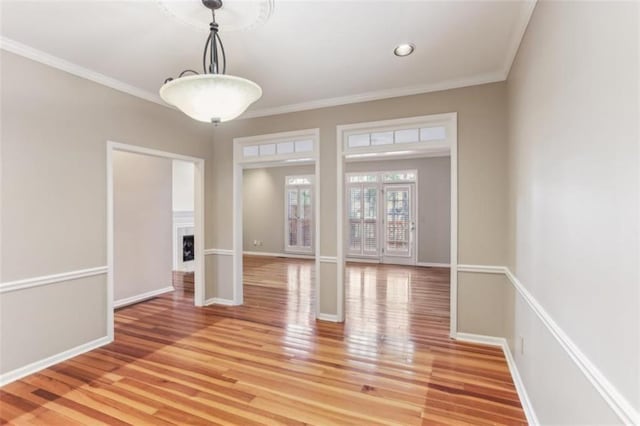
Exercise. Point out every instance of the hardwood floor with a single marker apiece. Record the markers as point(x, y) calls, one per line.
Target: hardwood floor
point(183, 281)
point(269, 362)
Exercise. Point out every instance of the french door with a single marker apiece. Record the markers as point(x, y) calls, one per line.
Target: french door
point(363, 220)
point(298, 219)
point(398, 223)
point(381, 221)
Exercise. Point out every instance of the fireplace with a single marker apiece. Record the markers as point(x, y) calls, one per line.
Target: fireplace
point(187, 248)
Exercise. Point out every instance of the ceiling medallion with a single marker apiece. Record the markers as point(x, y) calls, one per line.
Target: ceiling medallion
point(237, 15)
point(213, 96)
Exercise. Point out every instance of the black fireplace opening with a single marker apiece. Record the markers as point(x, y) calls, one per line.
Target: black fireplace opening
point(187, 248)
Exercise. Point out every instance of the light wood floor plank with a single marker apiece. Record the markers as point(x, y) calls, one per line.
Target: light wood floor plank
point(270, 362)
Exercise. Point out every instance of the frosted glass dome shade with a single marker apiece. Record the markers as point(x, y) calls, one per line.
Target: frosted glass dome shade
point(211, 98)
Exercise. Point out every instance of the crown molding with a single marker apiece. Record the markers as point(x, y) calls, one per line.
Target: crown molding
point(53, 61)
point(517, 35)
point(492, 77)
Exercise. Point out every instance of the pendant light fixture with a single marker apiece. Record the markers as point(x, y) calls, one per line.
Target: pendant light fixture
point(213, 96)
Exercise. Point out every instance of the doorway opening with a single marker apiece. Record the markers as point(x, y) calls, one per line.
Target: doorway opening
point(140, 246)
point(276, 231)
point(382, 216)
point(183, 247)
point(397, 204)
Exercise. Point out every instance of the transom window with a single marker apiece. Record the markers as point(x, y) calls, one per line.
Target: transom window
point(299, 180)
point(400, 136)
point(278, 148)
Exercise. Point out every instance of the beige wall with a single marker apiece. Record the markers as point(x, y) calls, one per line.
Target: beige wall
point(263, 206)
point(54, 132)
point(143, 224)
point(434, 202)
point(573, 203)
point(485, 304)
point(183, 197)
point(481, 162)
point(59, 167)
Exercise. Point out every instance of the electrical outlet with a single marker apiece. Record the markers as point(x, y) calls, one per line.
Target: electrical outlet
point(521, 345)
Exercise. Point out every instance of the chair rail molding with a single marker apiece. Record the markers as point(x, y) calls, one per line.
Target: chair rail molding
point(51, 279)
point(618, 403)
point(223, 252)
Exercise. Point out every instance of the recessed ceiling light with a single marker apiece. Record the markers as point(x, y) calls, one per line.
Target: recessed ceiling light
point(404, 49)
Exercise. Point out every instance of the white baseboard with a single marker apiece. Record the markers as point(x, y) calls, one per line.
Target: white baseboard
point(433, 265)
point(289, 255)
point(618, 403)
point(219, 301)
point(362, 260)
point(140, 297)
point(327, 317)
point(501, 342)
point(480, 339)
point(34, 367)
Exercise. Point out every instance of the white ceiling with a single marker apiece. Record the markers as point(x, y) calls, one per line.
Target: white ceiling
point(307, 54)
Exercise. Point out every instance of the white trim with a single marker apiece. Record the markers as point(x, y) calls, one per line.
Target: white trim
point(517, 35)
point(16, 285)
point(316, 221)
point(222, 252)
point(340, 214)
point(328, 317)
point(34, 367)
point(491, 77)
point(484, 269)
point(480, 339)
point(269, 254)
point(140, 297)
point(183, 214)
point(453, 292)
point(86, 73)
point(219, 301)
point(501, 342)
point(239, 164)
point(618, 403)
point(362, 260)
point(198, 228)
point(527, 405)
point(434, 265)
point(327, 259)
point(450, 120)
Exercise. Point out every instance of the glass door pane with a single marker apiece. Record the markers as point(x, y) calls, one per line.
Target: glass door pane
point(305, 223)
point(292, 217)
point(355, 219)
point(370, 220)
point(398, 220)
